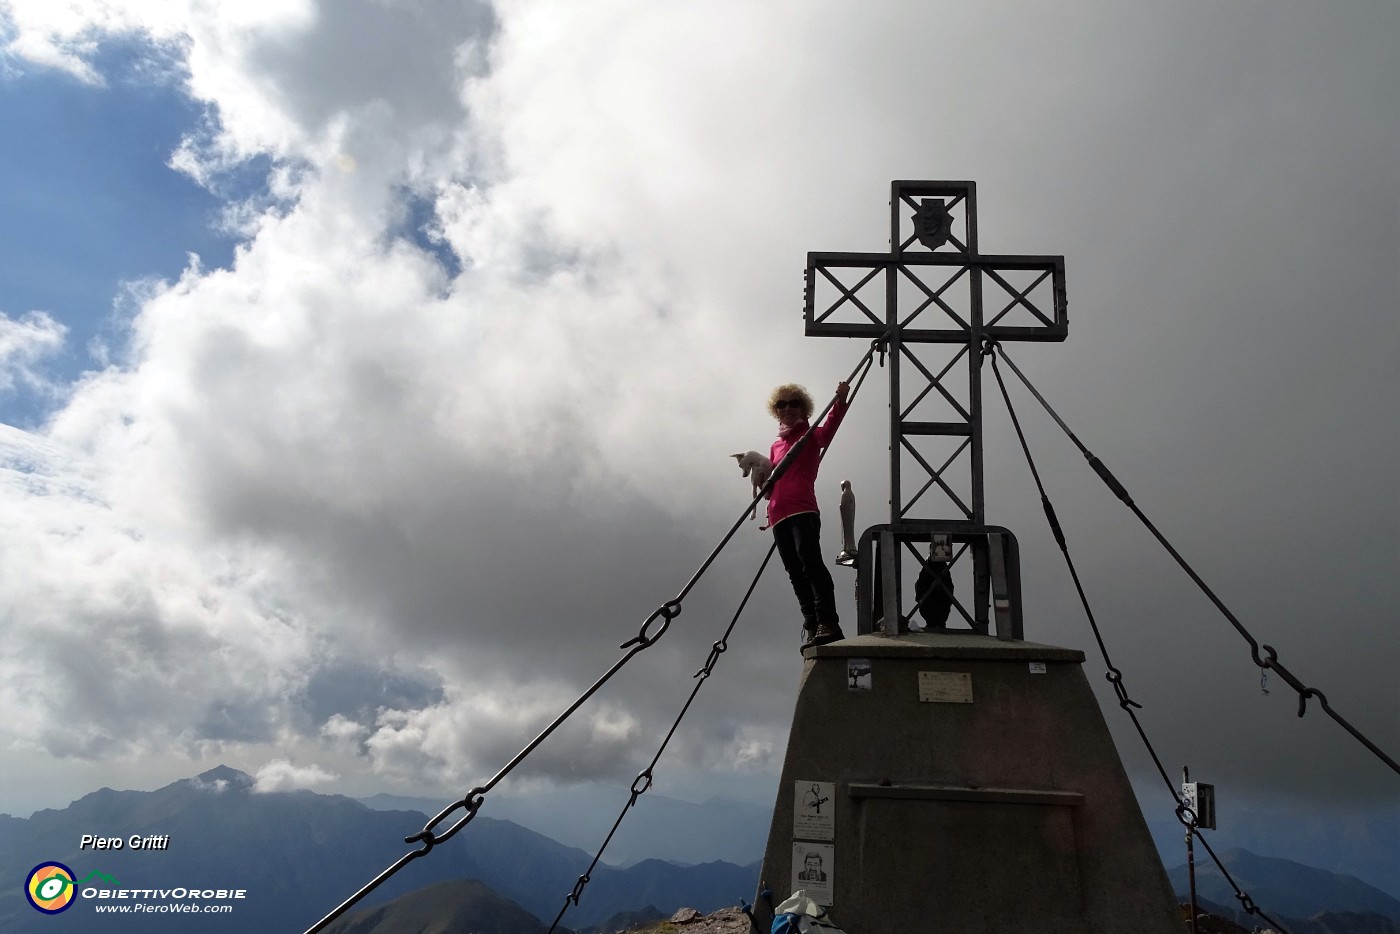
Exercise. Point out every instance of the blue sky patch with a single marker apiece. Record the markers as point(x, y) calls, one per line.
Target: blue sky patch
point(88, 201)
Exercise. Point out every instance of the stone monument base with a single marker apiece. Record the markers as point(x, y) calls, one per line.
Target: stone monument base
point(957, 783)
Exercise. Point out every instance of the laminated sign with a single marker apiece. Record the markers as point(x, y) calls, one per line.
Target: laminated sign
point(813, 871)
point(814, 811)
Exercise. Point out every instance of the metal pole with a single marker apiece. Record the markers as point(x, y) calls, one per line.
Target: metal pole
point(1190, 857)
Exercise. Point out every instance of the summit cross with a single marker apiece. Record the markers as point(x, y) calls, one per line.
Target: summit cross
point(935, 287)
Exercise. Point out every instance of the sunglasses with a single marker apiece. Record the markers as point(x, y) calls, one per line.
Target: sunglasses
point(786, 403)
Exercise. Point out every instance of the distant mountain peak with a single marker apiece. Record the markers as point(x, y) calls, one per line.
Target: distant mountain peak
point(222, 778)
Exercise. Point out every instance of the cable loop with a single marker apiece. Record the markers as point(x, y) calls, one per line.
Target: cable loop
point(472, 803)
point(1115, 677)
point(1186, 816)
point(644, 639)
point(716, 650)
point(638, 792)
point(1304, 692)
point(579, 886)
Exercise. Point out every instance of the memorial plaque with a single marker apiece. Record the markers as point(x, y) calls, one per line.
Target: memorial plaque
point(813, 871)
point(814, 810)
point(945, 687)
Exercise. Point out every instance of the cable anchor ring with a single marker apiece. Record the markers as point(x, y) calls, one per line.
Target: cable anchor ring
point(666, 612)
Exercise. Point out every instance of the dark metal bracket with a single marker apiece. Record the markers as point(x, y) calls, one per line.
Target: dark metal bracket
point(996, 572)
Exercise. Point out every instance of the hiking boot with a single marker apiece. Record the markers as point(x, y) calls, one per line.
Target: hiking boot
point(827, 632)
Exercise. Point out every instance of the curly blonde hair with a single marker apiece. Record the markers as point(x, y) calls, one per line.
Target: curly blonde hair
point(788, 391)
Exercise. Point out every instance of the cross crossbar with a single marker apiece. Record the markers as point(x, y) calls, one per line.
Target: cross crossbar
point(1054, 326)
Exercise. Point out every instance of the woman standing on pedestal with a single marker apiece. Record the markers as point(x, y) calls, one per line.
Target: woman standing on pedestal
point(792, 507)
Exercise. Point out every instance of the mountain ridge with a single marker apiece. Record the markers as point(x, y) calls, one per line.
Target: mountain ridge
point(1282, 887)
point(298, 854)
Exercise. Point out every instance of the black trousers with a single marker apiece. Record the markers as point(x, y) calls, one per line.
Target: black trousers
point(799, 545)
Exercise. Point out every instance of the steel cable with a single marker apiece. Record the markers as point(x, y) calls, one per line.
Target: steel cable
point(1271, 662)
point(1114, 675)
point(644, 778)
point(472, 801)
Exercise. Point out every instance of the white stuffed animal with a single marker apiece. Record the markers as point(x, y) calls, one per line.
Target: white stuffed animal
point(757, 468)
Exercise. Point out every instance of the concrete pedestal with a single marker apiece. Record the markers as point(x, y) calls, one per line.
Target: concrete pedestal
point(958, 783)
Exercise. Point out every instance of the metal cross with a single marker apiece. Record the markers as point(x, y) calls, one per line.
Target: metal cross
point(936, 288)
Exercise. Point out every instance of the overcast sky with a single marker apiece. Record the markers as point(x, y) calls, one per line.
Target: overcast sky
point(370, 369)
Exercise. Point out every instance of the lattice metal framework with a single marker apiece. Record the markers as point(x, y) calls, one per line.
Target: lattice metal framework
point(934, 287)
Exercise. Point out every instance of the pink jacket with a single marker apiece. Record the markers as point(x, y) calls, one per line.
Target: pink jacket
point(795, 491)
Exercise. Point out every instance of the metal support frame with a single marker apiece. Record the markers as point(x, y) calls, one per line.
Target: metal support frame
point(996, 560)
point(937, 288)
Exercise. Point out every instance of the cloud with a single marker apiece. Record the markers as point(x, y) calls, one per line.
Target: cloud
point(68, 38)
point(467, 737)
point(393, 488)
point(339, 727)
point(282, 775)
point(94, 670)
point(23, 344)
point(217, 786)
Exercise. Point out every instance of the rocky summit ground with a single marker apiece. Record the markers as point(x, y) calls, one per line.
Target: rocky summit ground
point(734, 921)
point(690, 921)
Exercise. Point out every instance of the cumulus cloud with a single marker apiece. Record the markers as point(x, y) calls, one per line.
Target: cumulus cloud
point(68, 37)
point(469, 737)
point(97, 669)
point(23, 344)
point(282, 775)
point(394, 486)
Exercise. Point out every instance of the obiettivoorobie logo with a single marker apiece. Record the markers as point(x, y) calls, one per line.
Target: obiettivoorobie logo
point(50, 887)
